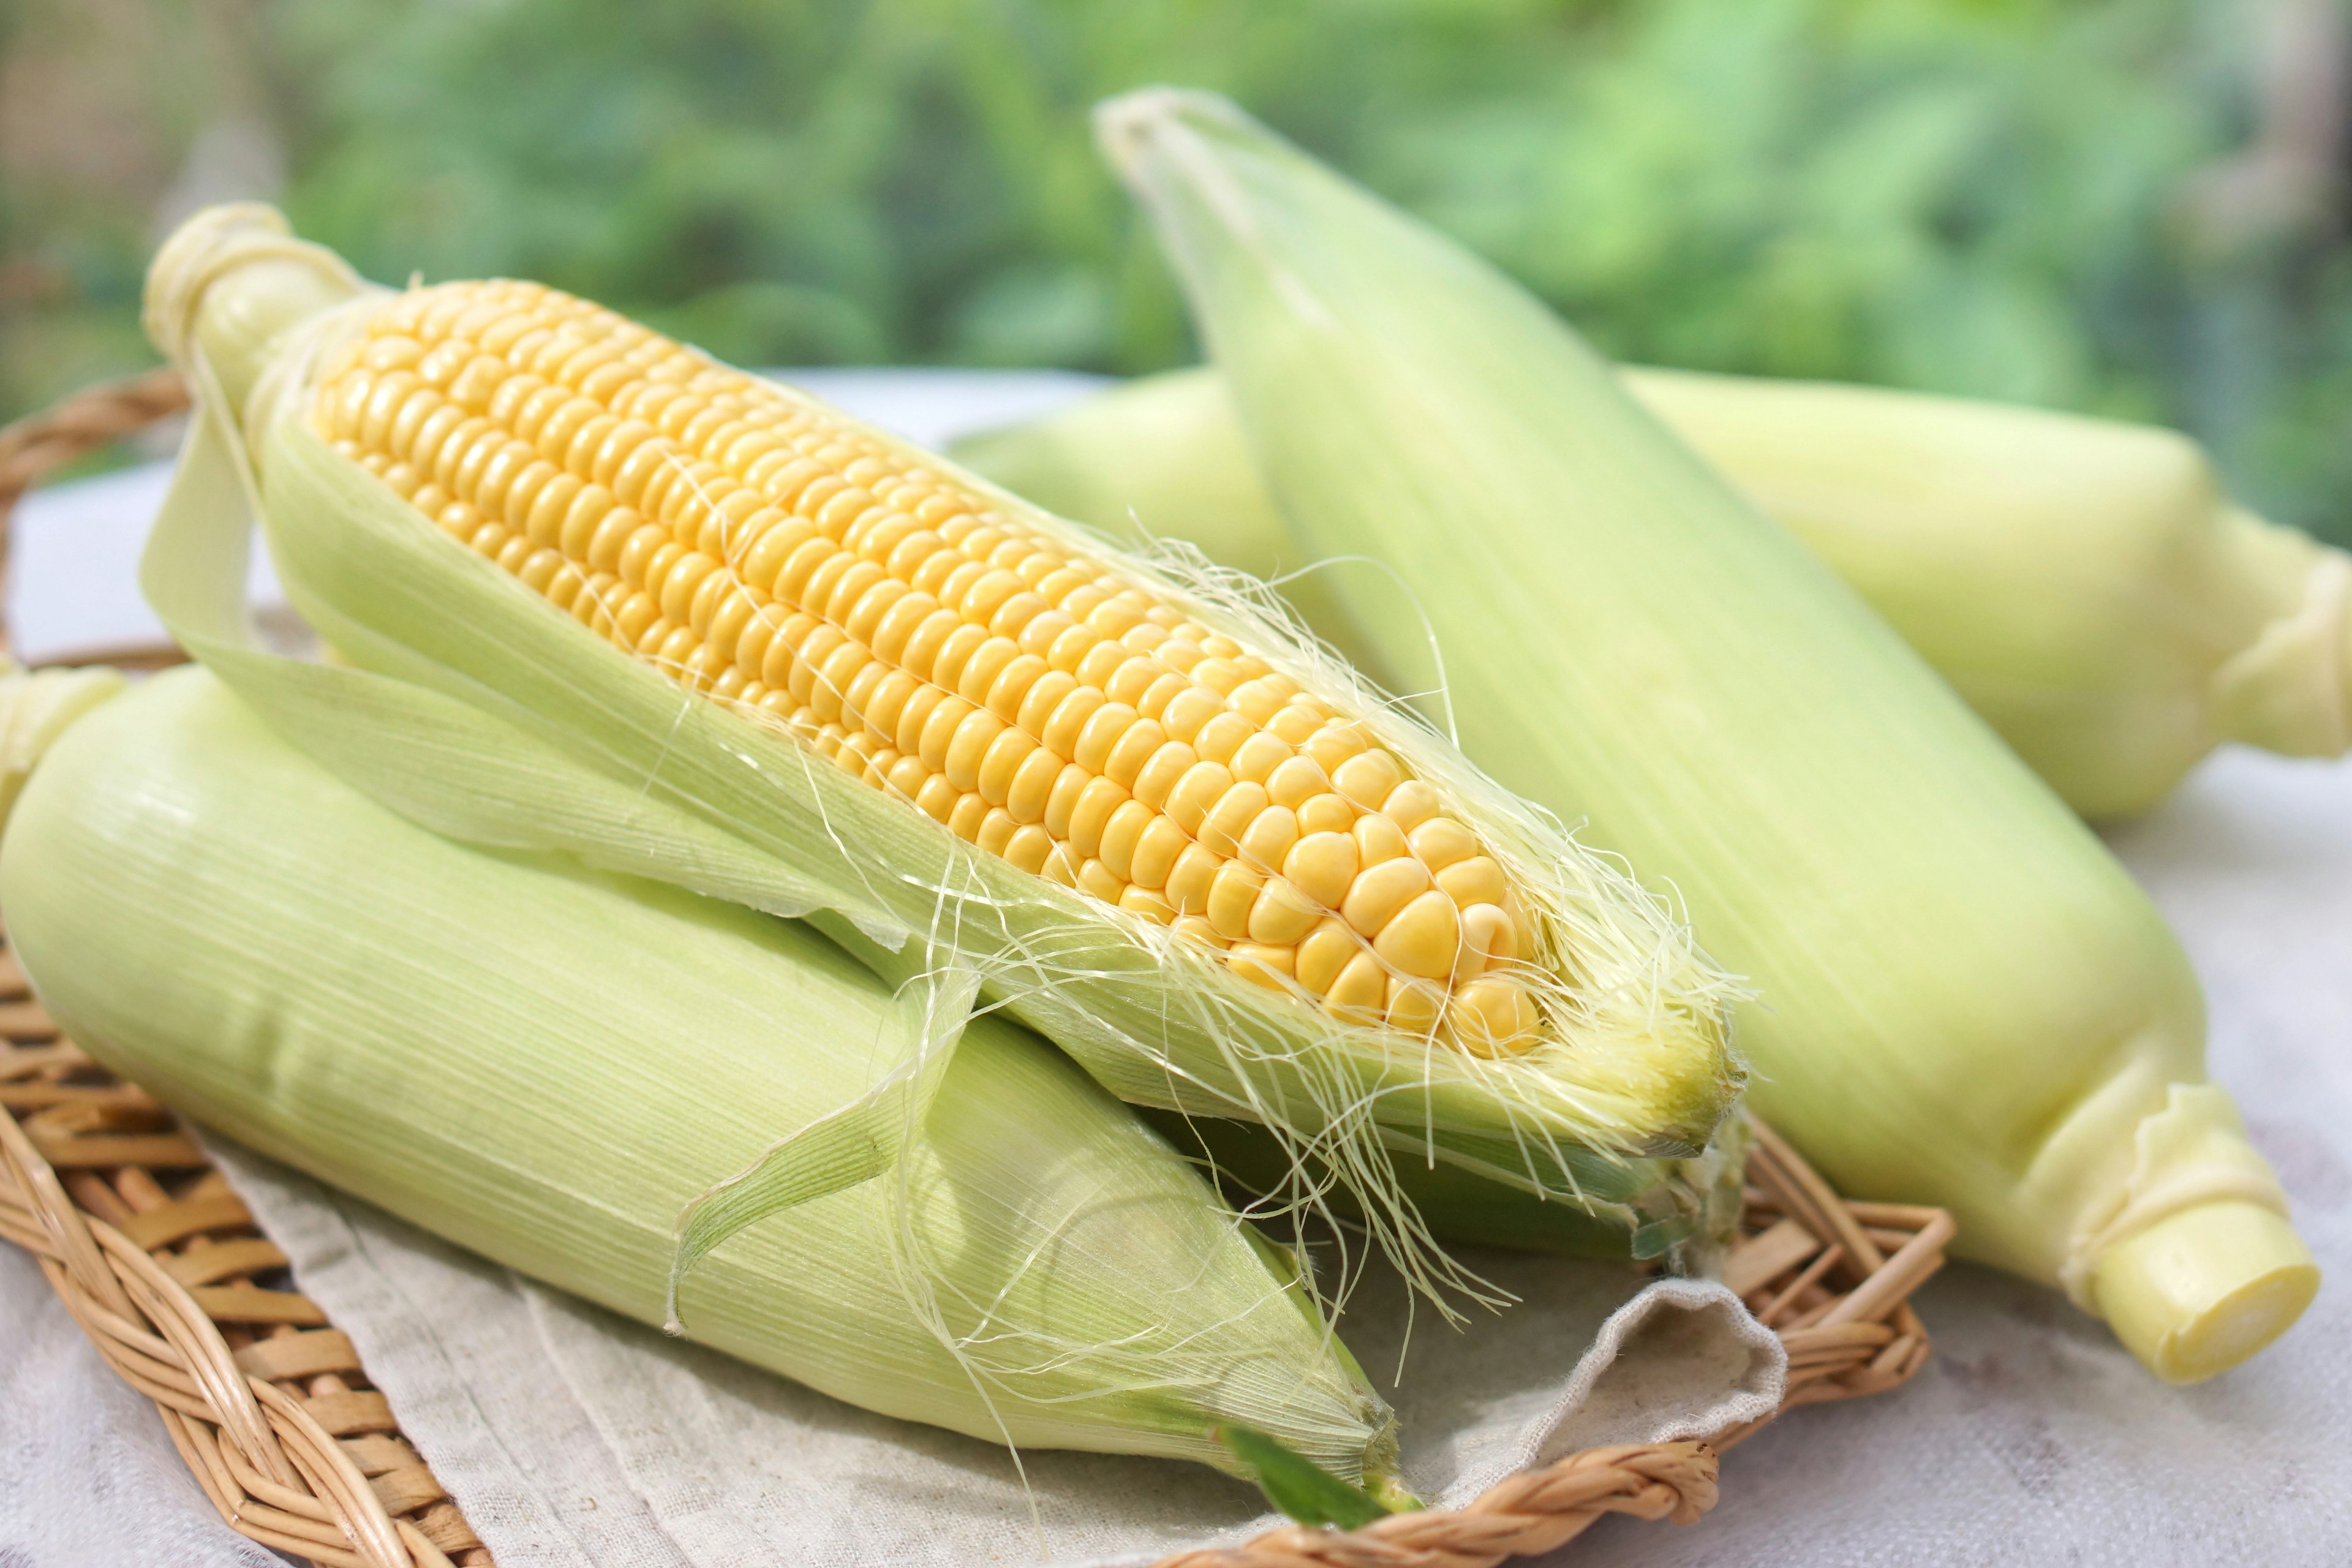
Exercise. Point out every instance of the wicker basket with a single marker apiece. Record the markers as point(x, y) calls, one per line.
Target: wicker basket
point(165, 1270)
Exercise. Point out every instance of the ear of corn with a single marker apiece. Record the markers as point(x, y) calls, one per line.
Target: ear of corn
point(1248, 889)
point(2083, 585)
point(546, 1065)
point(1967, 1000)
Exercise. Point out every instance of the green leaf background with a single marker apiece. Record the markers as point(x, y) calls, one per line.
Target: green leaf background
point(2054, 201)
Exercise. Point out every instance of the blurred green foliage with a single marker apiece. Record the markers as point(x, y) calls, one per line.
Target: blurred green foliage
point(2040, 200)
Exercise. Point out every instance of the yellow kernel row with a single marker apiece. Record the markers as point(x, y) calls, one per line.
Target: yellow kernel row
point(1031, 699)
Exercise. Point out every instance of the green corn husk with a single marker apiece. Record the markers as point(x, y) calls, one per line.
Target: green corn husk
point(1258, 1175)
point(546, 1065)
point(2083, 585)
point(467, 703)
point(1967, 1000)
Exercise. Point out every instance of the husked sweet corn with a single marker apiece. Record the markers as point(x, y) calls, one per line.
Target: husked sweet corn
point(1039, 703)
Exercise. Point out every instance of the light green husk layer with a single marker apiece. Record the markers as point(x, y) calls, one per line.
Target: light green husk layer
point(473, 707)
point(548, 1064)
point(2083, 585)
point(1965, 1000)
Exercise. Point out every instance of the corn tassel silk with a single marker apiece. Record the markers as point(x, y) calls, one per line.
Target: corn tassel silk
point(1965, 1000)
point(1493, 995)
point(546, 1064)
point(2084, 585)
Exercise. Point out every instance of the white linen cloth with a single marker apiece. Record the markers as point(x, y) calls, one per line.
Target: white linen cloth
point(2030, 1438)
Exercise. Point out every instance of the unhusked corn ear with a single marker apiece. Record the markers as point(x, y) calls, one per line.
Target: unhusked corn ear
point(1038, 703)
point(1969, 1003)
point(584, 1054)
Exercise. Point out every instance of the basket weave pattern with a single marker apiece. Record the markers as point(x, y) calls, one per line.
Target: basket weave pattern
point(86, 422)
point(165, 1271)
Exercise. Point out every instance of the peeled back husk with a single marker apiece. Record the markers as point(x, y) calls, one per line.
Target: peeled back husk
point(2084, 585)
point(1965, 1000)
point(469, 703)
point(548, 1064)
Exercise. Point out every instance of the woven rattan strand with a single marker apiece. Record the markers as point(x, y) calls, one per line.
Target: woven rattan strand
point(165, 1271)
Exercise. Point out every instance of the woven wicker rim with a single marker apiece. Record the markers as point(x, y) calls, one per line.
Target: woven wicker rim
point(166, 1272)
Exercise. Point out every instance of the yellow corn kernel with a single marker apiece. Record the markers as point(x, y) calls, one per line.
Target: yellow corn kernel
point(1477, 880)
point(1323, 865)
point(1414, 1007)
point(1361, 990)
point(1489, 937)
point(1268, 839)
point(1267, 965)
point(1421, 939)
point(1233, 897)
point(1491, 1016)
point(1326, 813)
point(1323, 953)
point(1380, 891)
point(1282, 914)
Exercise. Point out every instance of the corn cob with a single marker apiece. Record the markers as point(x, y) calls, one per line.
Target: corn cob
point(1195, 854)
point(2083, 584)
point(546, 1066)
point(1968, 1002)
